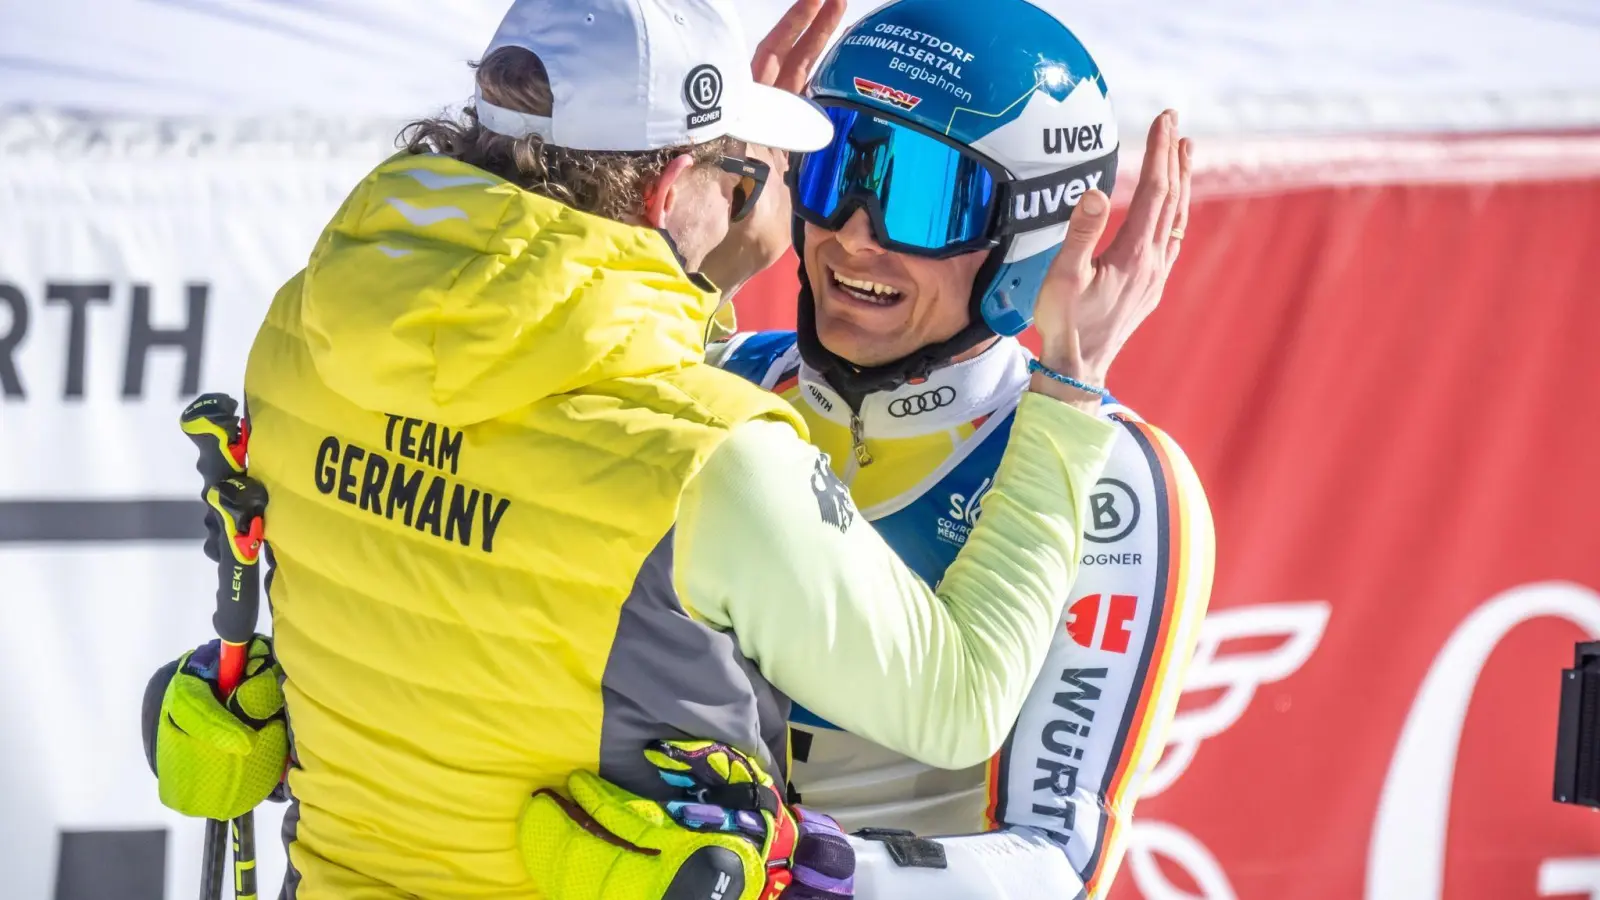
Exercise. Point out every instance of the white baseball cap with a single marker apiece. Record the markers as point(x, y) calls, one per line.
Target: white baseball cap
point(647, 74)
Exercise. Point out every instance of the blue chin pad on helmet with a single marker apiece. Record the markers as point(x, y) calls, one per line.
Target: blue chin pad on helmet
point(1007, 306)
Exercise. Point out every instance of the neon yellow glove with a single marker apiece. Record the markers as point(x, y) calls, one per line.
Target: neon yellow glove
point(605, 842)
point(216, 757)
point(731, 836)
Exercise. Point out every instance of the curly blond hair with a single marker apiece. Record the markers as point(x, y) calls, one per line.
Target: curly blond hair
point(604, 183)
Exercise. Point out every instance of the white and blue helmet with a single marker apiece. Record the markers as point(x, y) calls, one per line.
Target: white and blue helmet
point(959, 126)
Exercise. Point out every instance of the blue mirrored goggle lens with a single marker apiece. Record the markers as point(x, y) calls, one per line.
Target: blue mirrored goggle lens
point(931, 195)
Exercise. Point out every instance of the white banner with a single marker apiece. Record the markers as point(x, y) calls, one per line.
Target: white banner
point(135, 266)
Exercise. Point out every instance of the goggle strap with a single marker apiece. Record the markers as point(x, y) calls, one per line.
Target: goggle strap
point(1046, 200)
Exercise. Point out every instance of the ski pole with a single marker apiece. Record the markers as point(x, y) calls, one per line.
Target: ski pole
point(237, 505)
point(240, 502)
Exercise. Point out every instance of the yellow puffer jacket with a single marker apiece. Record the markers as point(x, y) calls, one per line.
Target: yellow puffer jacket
point(475, 412)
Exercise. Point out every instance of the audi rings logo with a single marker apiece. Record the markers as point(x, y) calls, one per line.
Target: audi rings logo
point(927, 401)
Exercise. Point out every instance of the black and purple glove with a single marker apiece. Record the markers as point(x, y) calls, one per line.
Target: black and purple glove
point(808, 855)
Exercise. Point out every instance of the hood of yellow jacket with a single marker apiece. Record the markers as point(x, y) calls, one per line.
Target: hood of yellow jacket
point(442, 292)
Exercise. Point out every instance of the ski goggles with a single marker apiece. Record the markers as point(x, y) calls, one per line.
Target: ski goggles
point(924, 193)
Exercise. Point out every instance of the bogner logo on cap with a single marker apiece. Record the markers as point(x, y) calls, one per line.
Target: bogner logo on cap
point(703, 90)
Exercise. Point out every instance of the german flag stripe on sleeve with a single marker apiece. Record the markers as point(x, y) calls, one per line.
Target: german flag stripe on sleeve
point(994, 811)
point(1184, 586)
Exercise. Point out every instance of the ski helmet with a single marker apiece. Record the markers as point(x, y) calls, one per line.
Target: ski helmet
point(996, 120)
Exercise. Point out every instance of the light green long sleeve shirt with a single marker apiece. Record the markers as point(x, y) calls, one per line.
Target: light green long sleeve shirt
point(836, 621)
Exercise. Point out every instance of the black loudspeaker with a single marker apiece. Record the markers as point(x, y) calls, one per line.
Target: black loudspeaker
point(1578, 734)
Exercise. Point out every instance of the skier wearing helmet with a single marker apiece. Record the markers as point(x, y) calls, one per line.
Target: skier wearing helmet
point(966, 135)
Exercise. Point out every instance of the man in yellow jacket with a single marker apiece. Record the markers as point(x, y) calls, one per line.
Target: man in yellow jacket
point(520, 529)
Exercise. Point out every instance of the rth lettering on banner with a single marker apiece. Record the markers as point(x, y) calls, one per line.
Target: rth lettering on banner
point(1058, 772)
point(84, 305)
point(385, 487)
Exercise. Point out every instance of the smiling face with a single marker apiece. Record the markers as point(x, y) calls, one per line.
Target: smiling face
point(875, 306)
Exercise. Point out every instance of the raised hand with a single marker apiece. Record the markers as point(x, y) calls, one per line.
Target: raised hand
point(1088, 307)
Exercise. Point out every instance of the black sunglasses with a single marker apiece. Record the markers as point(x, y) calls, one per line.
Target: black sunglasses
point(752, 178)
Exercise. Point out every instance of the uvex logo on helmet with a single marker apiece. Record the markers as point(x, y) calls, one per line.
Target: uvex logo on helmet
point(1053, 203)
point(892, 96)
point(1082, 137)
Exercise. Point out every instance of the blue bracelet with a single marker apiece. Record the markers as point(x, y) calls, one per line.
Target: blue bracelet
point(1035, 366)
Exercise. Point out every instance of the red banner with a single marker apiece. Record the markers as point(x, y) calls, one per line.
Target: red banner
point(1392, 393)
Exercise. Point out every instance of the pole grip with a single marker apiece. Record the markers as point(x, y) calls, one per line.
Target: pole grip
point(240, 505)
point(213, 424)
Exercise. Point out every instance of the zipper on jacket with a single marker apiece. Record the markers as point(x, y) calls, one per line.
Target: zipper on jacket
point(860, 456)
point(858, 430)
point(858, 440)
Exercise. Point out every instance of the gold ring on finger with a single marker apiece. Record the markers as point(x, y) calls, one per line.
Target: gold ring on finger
point(1177, 234)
